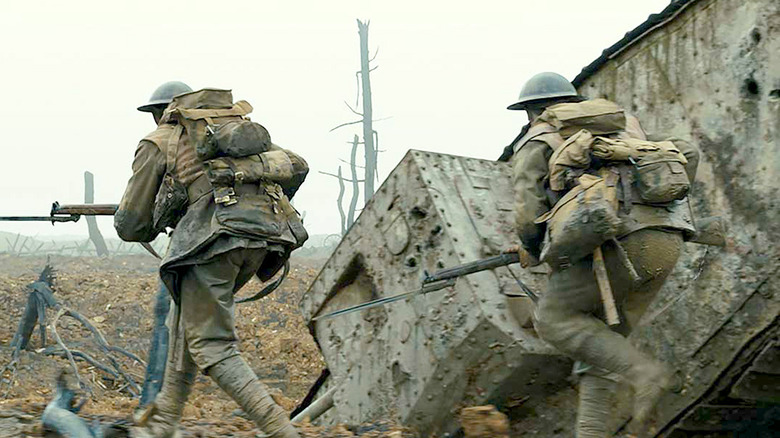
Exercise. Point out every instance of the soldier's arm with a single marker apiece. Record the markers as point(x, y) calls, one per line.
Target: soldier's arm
point(529, 175)
point(133, 219)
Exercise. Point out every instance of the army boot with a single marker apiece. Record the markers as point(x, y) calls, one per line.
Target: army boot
point(237, 379)
point(614, 353)
point(161, 418)
point(594, 412)
point(650, 380)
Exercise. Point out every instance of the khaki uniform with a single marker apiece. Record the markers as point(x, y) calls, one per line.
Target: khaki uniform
point(206, 263)
point(570, 314)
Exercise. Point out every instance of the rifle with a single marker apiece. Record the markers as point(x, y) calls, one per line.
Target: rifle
point(72, 213)
point(442, 279)
point(67, 213)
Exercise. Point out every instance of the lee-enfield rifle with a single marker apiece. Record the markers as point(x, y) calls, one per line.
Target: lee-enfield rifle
point(67, 213)
point(72, 213)
point(442, 279)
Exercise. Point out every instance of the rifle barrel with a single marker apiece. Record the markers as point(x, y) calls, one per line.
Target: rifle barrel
point(52, 219)
point(470, 268)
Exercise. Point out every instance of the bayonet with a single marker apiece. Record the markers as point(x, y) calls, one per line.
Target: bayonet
point(426, 288)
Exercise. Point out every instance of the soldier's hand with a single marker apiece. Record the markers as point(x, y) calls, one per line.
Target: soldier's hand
point(526, 258)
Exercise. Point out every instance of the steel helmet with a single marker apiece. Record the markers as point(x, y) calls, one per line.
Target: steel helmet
point(163, 95)
point(544, 86)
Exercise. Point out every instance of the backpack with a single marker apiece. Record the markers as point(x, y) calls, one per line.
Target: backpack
point(658, 168)
point(218, 127)
point(601, 160)
point(230, 156)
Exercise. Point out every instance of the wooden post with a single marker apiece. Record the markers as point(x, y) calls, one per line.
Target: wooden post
point(94, 231)
point(368, 129)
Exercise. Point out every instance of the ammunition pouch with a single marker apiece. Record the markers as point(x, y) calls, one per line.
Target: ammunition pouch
point(581, 220)
point(661, 178)
point(262, 208)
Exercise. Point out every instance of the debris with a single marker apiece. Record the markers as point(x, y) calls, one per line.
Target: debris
point(484, 422)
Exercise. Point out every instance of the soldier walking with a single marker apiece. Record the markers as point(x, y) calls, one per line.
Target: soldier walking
point(232, 220)
point(571, 315)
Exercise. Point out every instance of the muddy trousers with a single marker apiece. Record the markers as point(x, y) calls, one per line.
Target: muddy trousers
point(570, 315)
point(203, 337)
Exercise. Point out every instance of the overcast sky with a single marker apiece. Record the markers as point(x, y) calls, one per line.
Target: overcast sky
point(74, 72)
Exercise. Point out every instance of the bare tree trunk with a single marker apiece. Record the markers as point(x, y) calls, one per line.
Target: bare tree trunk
point(368, 129)
point(341, 198)
point(355, 185)
point(94, 231)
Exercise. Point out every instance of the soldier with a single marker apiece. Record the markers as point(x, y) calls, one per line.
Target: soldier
point(570, 316)
point(209, 258)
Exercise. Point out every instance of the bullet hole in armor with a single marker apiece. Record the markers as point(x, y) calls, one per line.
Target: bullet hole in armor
point(411, 262)
point(756, 36)
point(418, 212)
point(775, 93)
point(437, 229)
point(392, 204)
point(751, 87)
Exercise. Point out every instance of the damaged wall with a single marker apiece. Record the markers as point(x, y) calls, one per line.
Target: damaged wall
point(710, 74)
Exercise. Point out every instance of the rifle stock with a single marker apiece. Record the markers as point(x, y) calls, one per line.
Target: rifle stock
point(84, 209)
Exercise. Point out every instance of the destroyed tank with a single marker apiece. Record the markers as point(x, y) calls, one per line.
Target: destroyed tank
point(715, 321)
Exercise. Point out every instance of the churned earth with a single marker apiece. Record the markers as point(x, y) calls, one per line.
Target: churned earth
point(117, 295)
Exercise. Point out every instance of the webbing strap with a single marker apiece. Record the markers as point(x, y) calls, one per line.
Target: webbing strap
point(172, 148)
point(534, 131)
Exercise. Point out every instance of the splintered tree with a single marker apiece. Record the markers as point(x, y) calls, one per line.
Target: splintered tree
point(369, 141)
point(40, 299)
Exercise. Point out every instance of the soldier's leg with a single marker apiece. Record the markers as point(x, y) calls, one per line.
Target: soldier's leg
point(209, 325)
point(567, 318)
point(161, 418)
point(654, 255)
point(594, 411)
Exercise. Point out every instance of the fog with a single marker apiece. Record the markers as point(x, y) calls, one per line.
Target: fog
point(74, 72)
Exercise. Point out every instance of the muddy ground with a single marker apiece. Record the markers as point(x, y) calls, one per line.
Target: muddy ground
point(117, 295)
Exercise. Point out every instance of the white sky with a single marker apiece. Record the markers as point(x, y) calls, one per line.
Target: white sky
point(73, 73)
